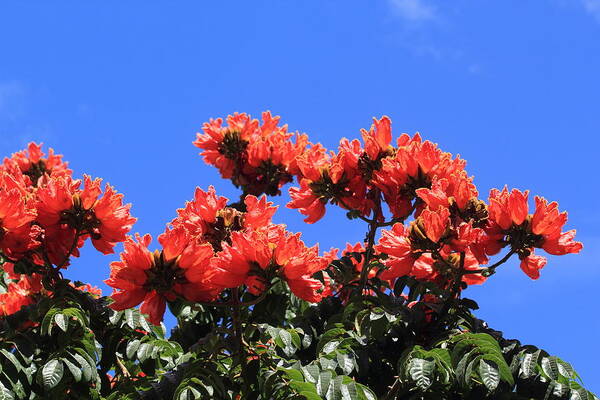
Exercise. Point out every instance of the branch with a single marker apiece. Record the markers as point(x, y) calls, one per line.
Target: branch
point(71, 250)
point(231, 303)
point(373, 225)
point(492, 268)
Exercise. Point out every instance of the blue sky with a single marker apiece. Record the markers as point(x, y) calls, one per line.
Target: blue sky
point(513, 86)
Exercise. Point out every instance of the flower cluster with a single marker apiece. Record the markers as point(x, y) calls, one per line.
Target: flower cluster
point(357, 176)
point(512, 225)
point(45, 217)
point(21, 290)
point(210, 247)
point(453, 233)
point(259, 157)
point(438, 230)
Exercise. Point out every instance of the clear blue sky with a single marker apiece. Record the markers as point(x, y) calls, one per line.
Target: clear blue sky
point(513, 86)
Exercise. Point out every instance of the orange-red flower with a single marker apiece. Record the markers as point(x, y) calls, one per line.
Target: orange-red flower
point(209, 219)
point(512, 225)
point(532, 264)
point(33, 164)
point(417, 165)
point(255, 257)
point(548, 222)
point(403, 257)
point(17, 234)
point(396, 244)
point(224, 146)
point(327, 178)
point(378, 138)
point(260, 158)
point(435, 222)
point(508, 208)
point(21, 290)
point(155, 278)
point(17, 296)
point(69, 214)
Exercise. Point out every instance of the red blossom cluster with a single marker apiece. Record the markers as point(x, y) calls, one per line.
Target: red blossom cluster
point(452, 233)
point(210, 247)
point(438, 230)
point(260, 158)
point(45, 217)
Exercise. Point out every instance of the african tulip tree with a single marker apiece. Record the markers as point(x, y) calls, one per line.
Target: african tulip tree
point(260, 314)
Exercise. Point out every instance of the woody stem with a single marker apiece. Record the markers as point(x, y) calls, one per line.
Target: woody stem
point(492, 268)
point(237, 329)
point(373, 225)
point(455, 290)
point(73, 246)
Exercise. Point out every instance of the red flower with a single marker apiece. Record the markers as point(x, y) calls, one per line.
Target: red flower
point(93, 290)
point(396, 244)
point(548, 222)
point(33, 164)
point(259, 157)
point(209, 219)
point(16, 296)
point(181, 268)
point(254, 257)
point(435, 222)
point(129, 276)
point(512, 225)
point(194, 259)
point(298, 264)
point(508, 208)
point(70, 214)
point(378, 138)
point(225, 145)
point(17, 234)
point(324, 179)
point(532, 265)
point(418, 165)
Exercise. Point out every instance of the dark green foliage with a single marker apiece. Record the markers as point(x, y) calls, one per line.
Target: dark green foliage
point(71, 345)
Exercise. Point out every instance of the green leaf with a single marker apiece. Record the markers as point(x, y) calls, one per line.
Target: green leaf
point(329, 336)
point(295, 338)
point(488, 371)
point(52, 373)
point(288, 346)
point(311, 373)
point(365, 392)
point(144, 351)
point(132, 348)
point(348, 391)
point(550, 367)
point(421, 372)
point(302, 386)
point(346, 362)
point(12, 358)
point(579, 394)
point(5, 394)
point(528, 364)
point(61, 321)
point(87, 370)
point(190, 393)
point(330, 346)
point(75, 371)
point(310, 395)
point(323, 382)
point(132, 318)
point(293, 374)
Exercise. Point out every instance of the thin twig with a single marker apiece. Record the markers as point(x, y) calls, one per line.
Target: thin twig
point(71, 250)
point(491, 268)
point(232, 303)
point(373, 225)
